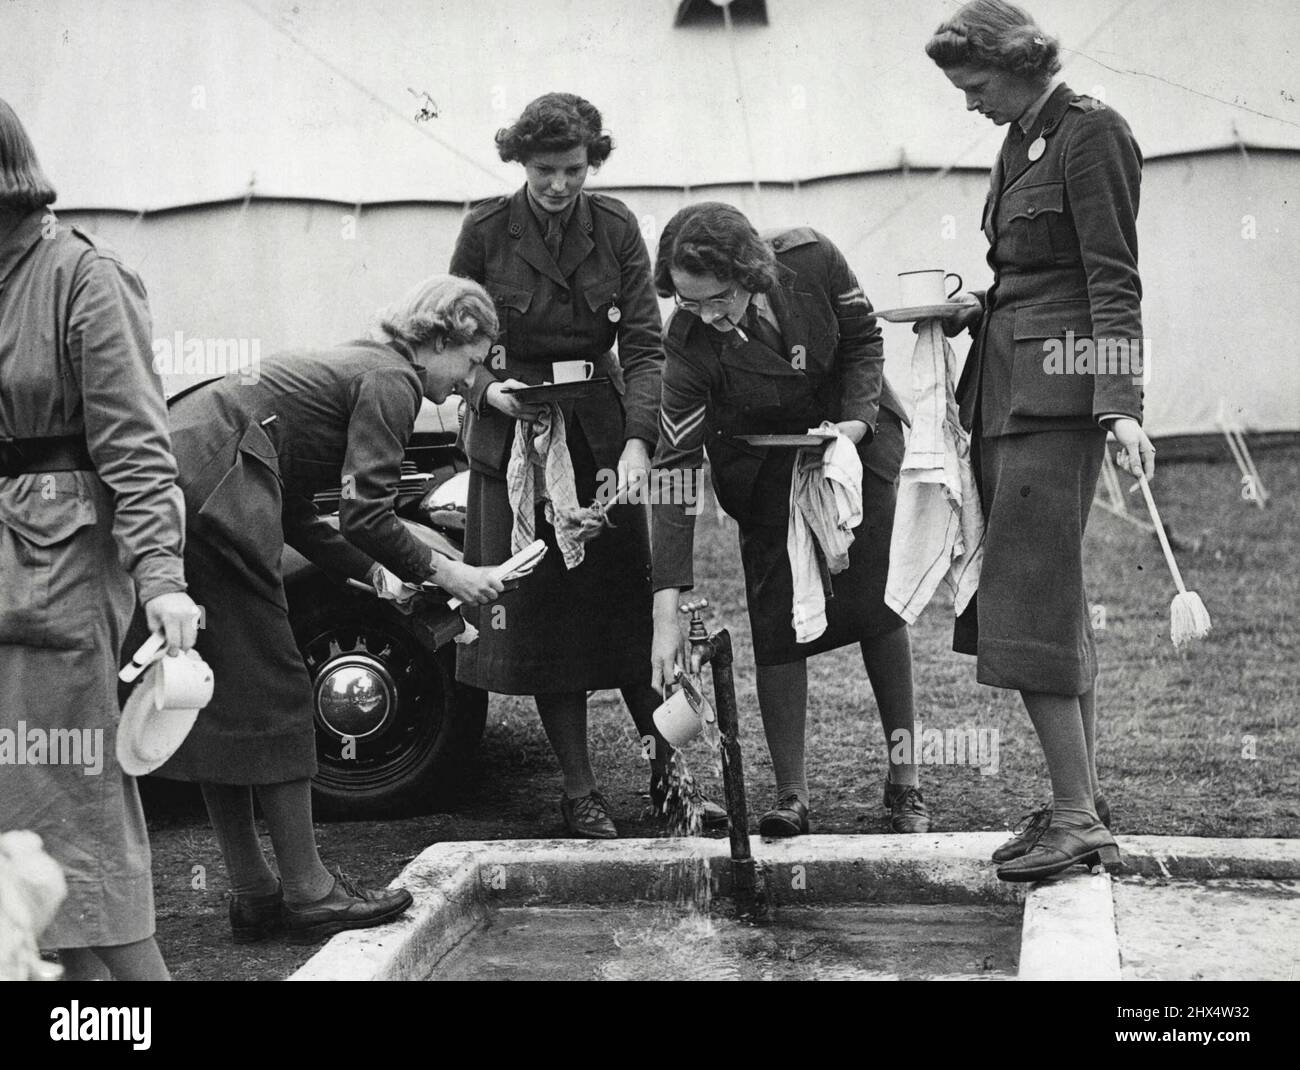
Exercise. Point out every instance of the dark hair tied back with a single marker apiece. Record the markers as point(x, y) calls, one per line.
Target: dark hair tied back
point(993, 33)
point(712, 238)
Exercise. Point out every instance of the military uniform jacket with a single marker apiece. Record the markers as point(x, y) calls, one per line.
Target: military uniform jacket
point(598, 292)
point(252, 455)
point(717, 386)
point(1062, 232)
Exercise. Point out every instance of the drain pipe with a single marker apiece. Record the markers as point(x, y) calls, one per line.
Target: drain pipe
point(715, 650)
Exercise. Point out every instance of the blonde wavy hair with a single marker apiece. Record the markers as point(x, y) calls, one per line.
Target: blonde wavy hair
point(457, 311)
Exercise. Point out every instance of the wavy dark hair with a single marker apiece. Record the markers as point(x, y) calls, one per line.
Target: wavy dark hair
point(993, 33)
point(23, 185)
point(555, 122)
point(716, 239)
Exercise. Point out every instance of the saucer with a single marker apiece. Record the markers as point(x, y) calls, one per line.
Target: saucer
point(921, 312)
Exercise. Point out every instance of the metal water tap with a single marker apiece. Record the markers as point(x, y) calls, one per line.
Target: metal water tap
point(715, 649)
point(698, 637)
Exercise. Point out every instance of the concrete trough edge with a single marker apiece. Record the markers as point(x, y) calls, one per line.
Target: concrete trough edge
point(1069, 931)
point(455, 884)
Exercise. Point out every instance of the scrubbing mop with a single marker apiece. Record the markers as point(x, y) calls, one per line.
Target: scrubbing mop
point(1188, 618)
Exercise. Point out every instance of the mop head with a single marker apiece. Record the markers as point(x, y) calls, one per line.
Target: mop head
point(1188, 619)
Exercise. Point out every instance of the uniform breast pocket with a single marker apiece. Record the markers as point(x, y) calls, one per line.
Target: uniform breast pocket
point(512, 304)
point(1050, 376)
point(1030, 224)
point(52, 562)
point(602, 298)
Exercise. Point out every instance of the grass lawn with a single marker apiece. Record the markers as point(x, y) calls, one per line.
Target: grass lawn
point(1174, 726)
point(1177, 728)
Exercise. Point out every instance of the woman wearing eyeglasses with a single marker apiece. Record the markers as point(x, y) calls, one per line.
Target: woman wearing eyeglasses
point(772, 337)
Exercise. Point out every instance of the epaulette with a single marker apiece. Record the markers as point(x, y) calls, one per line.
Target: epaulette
point(678, 326)
point(490, 207)
point(791, 238)
point(95, 243)
point(1086, 103)
point(611, 204)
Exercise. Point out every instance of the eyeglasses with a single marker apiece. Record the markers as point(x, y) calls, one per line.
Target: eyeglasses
point(713, 304)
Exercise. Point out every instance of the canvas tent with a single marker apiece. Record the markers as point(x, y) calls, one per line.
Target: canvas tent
point(277, 170)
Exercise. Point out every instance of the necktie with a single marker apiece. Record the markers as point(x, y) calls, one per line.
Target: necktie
point(761, 330)
point(554, 235)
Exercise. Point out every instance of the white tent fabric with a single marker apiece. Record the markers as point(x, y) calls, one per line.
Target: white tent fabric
point(225, 147)
point(318, 99)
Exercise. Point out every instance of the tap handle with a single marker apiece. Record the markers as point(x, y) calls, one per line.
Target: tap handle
point(697, 631)
point(693, 608)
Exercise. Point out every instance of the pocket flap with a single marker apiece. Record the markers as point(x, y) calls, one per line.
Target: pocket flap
point(257, 442)
point(603, 293)
point(1029, 201)
point(44, 508)
point(1053, 319)
point(510, 297)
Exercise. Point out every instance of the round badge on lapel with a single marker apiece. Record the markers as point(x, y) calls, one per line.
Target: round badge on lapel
point(614, 314)
point(1037, 147)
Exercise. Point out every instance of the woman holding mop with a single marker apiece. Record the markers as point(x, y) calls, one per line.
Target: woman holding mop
point(1061, 222)
point(774, 337)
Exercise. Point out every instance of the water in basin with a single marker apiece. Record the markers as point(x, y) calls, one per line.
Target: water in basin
point(655, 941)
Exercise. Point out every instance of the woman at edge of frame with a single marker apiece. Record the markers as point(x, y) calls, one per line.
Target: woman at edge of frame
point(1061, 221)
point(90, 523)
point(570, 275)
point(775, 336)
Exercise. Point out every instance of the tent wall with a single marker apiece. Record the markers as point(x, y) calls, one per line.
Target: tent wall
point(291, 274)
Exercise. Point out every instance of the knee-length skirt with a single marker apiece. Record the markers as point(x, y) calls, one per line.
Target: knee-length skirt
point(561, 630)
point(1029, 625)
point(855, 605)
point(258, 728)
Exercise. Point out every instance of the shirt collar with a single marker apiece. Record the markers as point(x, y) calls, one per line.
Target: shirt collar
point(1030, 116)
point(764, 308)
point(544, 217)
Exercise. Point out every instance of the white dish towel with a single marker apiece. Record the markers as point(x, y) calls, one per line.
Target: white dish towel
point(825, 507)
point(938, 525)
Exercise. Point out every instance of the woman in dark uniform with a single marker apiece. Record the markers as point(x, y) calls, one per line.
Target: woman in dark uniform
point(773, 337)
point(570, 276)
point(90, 523)
point(251, 456)
point(1061, 220)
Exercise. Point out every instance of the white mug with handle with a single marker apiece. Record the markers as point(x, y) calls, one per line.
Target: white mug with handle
point(572, 371)
point(927, 286)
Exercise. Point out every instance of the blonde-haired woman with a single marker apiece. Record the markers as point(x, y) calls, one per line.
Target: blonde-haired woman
point(251, 456)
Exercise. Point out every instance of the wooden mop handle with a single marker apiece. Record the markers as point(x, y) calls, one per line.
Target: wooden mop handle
point(1160, 533)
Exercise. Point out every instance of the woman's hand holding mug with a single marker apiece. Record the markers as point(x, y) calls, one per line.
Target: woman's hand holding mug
point(177, 617)
point(666, 648)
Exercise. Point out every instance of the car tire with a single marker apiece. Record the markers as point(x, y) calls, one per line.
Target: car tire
point(416, 755)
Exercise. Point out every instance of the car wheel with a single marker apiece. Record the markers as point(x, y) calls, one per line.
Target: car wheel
point(395, 732)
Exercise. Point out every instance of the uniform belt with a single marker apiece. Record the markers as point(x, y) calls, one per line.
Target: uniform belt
point(60, 453)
